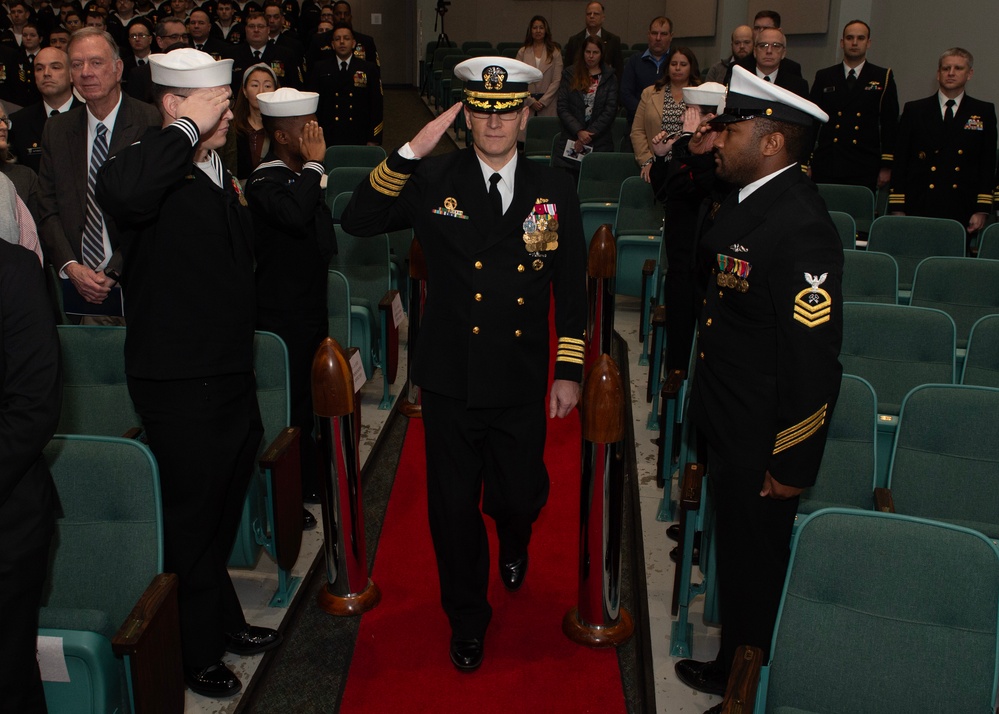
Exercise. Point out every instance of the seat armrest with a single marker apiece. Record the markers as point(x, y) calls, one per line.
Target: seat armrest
point(391, 366)
point(282, 462)
point(671, 387)
point(134, 433)
point(150, 638)
point(883, 500)
point(649, 268)
point(690, 487)
point(743, 681)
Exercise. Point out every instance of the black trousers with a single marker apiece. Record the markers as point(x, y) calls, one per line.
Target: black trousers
point(753, 537)
point(302, 335)
point(21, 579)
point(493, 454)
point(205, 434)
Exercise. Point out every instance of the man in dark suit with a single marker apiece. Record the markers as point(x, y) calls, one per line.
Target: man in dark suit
point(945, 152)
point(644, 69)
point(500, 236)
point(595, 26)
point(30, 397)
point(53, 80)
point(256, 49)
point(763, 20)
point(856, 146)
point(140, 33)
point(768, 62)
point(69, 141)
point(227, 27)
point(199, 24)
point(350, 94)
point(321, 45)
point(278, 33)
point(763, 408)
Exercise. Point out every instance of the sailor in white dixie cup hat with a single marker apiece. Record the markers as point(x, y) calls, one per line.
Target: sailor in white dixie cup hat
point(186, 237)
point(768, 373)
point(501, 236)
point(294, 239)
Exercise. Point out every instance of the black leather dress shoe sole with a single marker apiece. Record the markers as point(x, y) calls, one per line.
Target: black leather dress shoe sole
point(215, 681)
point(512, 573)
point(466, 654)
point(252, 640)
point(308, 520)
point(705, 677)
point(673, 532)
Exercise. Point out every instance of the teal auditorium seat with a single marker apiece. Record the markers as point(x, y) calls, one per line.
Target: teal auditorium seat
point(909, 239)
point(539, 136)
point(344, 180)
point(106, 559)
point(600, 177)
point(846, 226)
point(981, 363)
point(476, 44)
point(988, 243)
point(945, 464)
point(858, 201)
point(879, 614)
point(353, 156)
point(638, 229)
point(338, 308)
point(965, 288)
point(869, 276)
point(95, 391)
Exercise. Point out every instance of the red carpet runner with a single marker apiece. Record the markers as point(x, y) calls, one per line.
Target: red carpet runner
point(401, 663)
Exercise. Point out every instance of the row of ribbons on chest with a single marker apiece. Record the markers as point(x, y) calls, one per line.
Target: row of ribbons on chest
point(733, 273)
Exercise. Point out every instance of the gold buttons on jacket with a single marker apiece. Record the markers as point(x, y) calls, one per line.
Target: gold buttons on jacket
point(702, 355)
point(478, 265)
point(708, 323)
point(933, 168)
point(520, 301)
point(475, 330)
point(517, 333)
point(932, 186)
point(478, 297)
point(520, 268)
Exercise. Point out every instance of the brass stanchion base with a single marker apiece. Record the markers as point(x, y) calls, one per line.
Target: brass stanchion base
point(588, 635)
point(346, 605)
point(408, 409)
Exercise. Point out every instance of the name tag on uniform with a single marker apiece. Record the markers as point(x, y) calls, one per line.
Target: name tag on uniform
point(829, 89)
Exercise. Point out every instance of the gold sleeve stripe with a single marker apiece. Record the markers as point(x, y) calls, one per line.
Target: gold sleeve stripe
point(378, 129)
point(800, 431)
point(887, 157)
point(569, 356)
point(386, 181)
point(572, 360)
point(562, 347)
point(570, 341)
point(896, 198)
point(985, 198)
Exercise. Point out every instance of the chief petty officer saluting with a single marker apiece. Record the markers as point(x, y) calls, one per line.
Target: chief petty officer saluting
point(500, 235)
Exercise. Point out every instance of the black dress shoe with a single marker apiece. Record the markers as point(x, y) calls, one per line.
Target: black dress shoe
point(466, 653)
point(705, 677)
point(251, 640)
point(673, 532)
point(512, 573)
point(214, 681)
point(674, 555)
point(308, 520)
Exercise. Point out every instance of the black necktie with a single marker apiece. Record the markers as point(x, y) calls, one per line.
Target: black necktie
point(949, 114)
point(851, 79)
point(53, 112)
point(140, 62)
point(766, 78)
point(256, 54)
point(494, 194)
point(343, 66)
point(200, 48)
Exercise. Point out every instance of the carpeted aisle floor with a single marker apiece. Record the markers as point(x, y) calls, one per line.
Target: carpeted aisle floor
point(402, 646)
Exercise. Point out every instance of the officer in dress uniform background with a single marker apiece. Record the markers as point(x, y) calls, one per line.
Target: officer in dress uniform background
point(500, 236)
point(351, 101)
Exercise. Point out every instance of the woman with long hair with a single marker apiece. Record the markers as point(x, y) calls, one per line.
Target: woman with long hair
point(587, 103)
point(544, 53)
point(661, 107)
point(251, 139)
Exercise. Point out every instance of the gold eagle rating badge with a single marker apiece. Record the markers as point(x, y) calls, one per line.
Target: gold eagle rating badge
point(813, 306)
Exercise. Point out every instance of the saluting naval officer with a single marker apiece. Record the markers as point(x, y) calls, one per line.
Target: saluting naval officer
point(856, 146)
point(500, 236)
point(768, 371)
point(294, 243)
point(187, 239)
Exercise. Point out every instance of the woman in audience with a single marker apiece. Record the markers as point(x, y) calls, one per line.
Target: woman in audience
point(24, 179)
point(587, 104)
point(661, 107)
point(251, 140)
point(543, 52)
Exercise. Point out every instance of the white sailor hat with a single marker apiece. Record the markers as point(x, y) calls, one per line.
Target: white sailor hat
point(708, 94)
point(288, 102)
point(750, 97)
point(188, 68)
point(496, 84)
